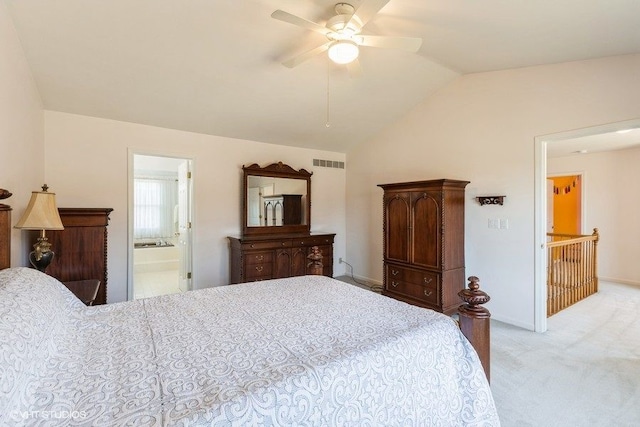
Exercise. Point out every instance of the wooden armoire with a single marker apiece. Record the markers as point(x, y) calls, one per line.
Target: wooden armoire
point(423, 224)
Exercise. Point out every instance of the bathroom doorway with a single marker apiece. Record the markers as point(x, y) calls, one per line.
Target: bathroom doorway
point(160, 225)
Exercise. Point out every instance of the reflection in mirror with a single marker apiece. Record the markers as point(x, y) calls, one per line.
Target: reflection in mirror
point(275, 201)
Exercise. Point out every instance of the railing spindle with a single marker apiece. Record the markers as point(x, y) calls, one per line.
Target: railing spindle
point(571, 269)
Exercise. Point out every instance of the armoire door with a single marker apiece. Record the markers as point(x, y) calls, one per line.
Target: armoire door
point(426, 230)
point(397, 223)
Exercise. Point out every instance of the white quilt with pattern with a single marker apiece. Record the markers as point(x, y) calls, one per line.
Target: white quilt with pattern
point(305, 351)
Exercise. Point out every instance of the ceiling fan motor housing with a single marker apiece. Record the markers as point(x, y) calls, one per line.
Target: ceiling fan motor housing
point(345, 24)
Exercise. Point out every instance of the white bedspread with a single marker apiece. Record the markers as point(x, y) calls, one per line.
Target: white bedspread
point(306, 351)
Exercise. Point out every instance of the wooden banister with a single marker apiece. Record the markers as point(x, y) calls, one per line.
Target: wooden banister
point(475, 321)
point(571, 269)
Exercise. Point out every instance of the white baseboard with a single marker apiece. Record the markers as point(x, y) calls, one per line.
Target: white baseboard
point(510, 321)
point(367, 280)
point(622, 281)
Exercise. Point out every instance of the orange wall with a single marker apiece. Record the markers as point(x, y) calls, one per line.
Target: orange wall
point(567, 204)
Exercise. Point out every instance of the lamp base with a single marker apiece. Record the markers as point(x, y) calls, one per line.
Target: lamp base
point(41, 256)
point(42, 263)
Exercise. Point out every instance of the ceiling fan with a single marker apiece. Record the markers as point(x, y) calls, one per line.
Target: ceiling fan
point(343, 35)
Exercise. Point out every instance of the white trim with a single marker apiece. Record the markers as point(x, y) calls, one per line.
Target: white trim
point(130, 177)
point(540, 236)
point(622, 281)
point(540, 206)
point(513, 322)
point(131, 152)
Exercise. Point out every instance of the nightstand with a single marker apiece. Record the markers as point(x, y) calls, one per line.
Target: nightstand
point(85, 290)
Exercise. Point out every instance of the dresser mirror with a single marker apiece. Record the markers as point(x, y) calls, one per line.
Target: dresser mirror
point(276, 200)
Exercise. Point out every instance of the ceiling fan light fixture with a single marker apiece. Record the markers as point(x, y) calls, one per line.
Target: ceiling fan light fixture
point(343, 51)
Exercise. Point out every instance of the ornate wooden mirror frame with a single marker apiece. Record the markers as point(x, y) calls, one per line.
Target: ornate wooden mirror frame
point(283, 172)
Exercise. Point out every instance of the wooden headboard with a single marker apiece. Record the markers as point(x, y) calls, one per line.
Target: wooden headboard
point(5, 231)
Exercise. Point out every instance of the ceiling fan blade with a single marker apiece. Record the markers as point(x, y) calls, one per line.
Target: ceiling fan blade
point(410, 44)
point(368, 9)
point(354, 69)
point(294, 62)
point(281, 15)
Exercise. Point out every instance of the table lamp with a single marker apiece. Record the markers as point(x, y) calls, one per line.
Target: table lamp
point(41, 214)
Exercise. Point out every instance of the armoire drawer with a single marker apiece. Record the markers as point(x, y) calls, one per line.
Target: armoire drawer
point(427, 294)
point(409, 275)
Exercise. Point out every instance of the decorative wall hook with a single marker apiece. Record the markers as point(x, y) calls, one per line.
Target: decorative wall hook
point(490, 200)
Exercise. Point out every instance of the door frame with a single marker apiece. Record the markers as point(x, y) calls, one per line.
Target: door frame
point(131, 152)
point(540, 208)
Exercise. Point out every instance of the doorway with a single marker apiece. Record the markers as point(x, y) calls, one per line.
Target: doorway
point(541, 144)
point(160, 206)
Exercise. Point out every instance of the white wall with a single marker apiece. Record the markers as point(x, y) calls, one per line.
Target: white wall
point(481, 128)
point(21, 132)
point(611, 204)
point(87, 164)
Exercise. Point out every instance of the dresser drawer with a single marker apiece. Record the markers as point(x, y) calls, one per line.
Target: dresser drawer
point(255, 271)
point(312, 241)
point(252, 258)
point(267, 245)
point(427, 294)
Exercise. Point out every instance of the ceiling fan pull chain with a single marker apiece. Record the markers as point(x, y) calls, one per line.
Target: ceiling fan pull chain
point(328, 123)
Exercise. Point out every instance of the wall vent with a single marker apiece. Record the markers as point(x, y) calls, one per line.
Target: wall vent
point(328, 164)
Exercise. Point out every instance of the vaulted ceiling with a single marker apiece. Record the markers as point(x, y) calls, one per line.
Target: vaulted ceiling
point(214, 66)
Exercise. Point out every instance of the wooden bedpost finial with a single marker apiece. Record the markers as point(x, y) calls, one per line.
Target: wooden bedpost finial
point(4, 194)
point(474, 321)
point(474, 297)
point(315, 261)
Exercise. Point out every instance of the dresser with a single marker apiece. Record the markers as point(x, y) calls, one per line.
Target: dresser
point(277, 244)
point(256, 258)
point(81, 249)
point(423, 226)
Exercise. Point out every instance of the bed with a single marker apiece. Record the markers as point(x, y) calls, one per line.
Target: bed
point(309, 350)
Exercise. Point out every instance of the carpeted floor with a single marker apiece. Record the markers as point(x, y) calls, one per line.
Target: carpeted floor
point(584, 371)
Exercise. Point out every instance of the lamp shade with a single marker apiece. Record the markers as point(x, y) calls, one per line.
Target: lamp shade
point(343, 51)
point(42, 213)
